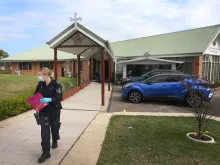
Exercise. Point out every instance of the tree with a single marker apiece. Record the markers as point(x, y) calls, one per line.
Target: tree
point(3, 54)
point(202, 110)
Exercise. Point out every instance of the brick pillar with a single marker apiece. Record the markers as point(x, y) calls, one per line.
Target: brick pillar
point(197, 66)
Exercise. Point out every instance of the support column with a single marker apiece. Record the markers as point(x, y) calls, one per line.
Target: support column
point(197, 66)
point(78, 75)
point(109, 72)
point(55, 64)
point(174, 66)
point(115, 70)
point(103, 77)
point(90, 69)
point(74, 68)
point(211, 72)
point(124, 70)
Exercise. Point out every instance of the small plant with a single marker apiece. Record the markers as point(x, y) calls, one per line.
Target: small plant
point(71, 84)
point(119, 76)
point(63, 86)
point(215, 85)
point(81, 80)
point(203, 108)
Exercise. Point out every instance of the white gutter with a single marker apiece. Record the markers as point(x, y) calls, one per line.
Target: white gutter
point(150, 58)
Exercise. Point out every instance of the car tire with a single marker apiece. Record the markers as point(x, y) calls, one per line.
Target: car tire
point(135, 97)
point(193, 100)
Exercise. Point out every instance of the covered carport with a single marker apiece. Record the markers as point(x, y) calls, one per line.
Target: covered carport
point(146, 61)
point(80, 41)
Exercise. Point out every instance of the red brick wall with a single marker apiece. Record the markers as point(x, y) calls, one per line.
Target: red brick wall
point(36, 66)
point(86, 69)
point(197, 66)
point(14, 67)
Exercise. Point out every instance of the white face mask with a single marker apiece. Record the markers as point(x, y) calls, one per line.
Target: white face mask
point(40, 78)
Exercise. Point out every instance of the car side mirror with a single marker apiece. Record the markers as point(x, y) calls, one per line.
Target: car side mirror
point(149, 83)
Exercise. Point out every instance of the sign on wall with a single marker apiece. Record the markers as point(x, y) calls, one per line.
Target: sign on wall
point(214, 47)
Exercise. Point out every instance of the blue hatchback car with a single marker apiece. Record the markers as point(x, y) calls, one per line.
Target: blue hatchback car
point(172, 85)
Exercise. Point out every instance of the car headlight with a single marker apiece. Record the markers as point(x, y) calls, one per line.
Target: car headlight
point(127, 85)
point(211, 95)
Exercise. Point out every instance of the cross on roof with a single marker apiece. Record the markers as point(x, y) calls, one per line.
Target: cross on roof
point(75, 19)
point(146, 54)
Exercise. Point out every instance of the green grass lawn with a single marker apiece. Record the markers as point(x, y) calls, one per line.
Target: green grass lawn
point(11, 85)
point(157, 141)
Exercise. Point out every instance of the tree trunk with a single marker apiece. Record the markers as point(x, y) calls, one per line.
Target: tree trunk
point(200, 129)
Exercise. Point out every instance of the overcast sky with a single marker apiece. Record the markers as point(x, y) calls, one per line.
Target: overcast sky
point(28, 24)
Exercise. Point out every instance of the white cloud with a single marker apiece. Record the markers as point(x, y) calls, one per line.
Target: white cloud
point(5, 18)
point(111, 19)
point(8, 37)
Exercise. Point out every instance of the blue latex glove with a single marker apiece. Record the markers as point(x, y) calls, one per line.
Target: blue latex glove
point(45, 100)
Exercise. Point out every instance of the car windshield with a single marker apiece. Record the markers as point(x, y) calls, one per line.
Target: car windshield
point(146, 74)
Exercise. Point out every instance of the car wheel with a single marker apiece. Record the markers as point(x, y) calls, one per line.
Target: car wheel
point(193, 100)
point(135, 97)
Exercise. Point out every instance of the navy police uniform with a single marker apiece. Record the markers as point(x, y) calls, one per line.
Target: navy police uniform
point(50, 115)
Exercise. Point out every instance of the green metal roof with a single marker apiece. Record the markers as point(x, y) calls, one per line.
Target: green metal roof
point(183, 42)
point(44, 53)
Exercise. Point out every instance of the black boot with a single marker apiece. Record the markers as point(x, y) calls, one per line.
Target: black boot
point(43, 157)
point(54, 144)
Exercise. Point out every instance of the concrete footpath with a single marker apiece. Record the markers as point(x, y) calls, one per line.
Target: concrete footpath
point(20, 136)
point(87, 149)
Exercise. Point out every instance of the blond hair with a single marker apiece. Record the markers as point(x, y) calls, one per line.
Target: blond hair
point(45, 71)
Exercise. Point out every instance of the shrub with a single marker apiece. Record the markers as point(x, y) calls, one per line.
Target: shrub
point(119, 76)
point(14, 105)
point(5, 72)
point(203, 108)
point(215, 85)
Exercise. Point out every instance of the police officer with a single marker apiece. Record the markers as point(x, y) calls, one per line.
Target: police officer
point(49, 116)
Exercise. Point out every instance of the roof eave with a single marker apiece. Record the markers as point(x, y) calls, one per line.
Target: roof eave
point(150, 58)
point(53, 43)
point(166, 55)
point(38, 60)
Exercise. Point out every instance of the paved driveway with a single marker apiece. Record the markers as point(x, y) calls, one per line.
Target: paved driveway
point(117, 105)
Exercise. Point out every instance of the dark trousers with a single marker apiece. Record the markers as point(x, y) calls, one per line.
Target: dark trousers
point(49, 122)
point(62, 73)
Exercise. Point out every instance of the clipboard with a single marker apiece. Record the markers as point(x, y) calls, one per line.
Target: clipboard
point(34, 102)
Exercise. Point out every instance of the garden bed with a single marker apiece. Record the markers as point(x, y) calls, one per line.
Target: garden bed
point(12, 85)
point(73, 91)
point(203, 139)
point(157, 140)
point(16, 89)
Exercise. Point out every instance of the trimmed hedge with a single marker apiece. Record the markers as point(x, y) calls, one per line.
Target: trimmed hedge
point(14, 105)
point(5, 72)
